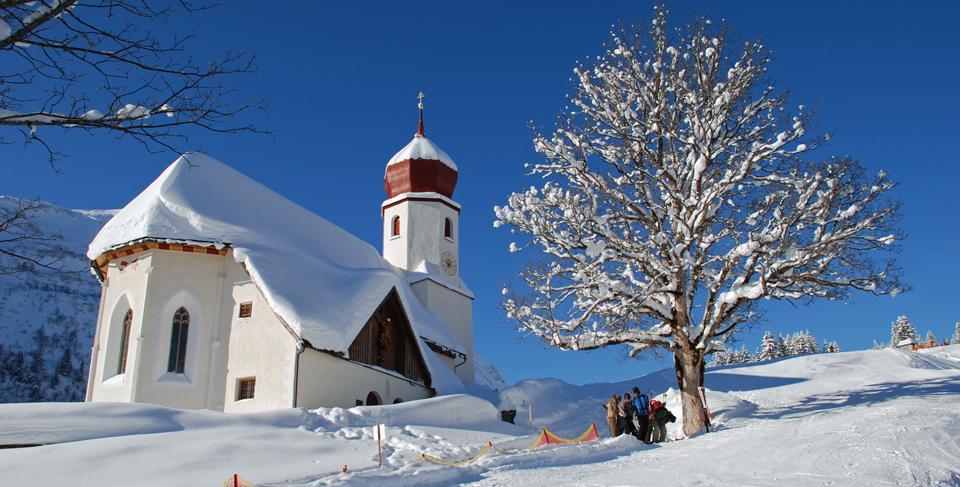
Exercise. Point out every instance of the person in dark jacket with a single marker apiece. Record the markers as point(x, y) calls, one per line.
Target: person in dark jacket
point(626, 416)
point(641, 406)
point(659, 418)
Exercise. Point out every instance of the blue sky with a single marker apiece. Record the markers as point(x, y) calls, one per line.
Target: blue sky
point(341, 83)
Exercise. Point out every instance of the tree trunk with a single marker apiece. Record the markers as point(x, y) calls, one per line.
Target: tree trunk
point(689, 366)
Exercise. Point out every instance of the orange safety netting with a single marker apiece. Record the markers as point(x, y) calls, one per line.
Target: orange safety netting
point(458, 463)
point(548, 438)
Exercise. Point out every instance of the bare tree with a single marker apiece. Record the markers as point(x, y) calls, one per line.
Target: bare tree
point(95, 65)
point(678, 192)
point(19, 236)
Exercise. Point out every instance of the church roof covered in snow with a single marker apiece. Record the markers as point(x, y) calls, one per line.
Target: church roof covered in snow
point(324, 282)
point(422, 148)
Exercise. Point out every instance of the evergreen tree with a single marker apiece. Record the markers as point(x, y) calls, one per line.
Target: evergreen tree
point(743, 356)
point(790, 345)
point(876, 345)
point(720, 357)
point(782, 347)
point(931, 339)
point(17, 364)
point(769, 349)
point(803, 343)
point(901, 330)
point(35, 377)
point(65, 366)
point(956, 335)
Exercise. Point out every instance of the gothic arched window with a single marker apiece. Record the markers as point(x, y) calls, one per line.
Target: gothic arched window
point(124, 341)
point(178, 341)
point(395, 227)
point(447, 228)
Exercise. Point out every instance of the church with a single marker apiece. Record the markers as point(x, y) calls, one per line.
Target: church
point(218, 293)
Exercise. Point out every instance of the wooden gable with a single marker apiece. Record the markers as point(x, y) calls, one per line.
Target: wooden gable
point(388, 341)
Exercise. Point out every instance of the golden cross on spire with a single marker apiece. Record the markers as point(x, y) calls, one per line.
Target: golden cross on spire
point(420, 106)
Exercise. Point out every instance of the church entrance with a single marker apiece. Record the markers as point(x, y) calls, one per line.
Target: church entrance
point(387, 341)
point(373, 399)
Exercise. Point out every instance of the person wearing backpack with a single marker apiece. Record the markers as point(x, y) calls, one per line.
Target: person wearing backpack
point(641, 406)
point(659, 417)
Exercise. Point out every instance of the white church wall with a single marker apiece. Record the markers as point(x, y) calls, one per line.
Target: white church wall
point(260, 347)
point(395, 246)
point(427, 243)
point(456, 311)
point(421, 233)
point(193, 281)
point(328, 381)
point(124, 289)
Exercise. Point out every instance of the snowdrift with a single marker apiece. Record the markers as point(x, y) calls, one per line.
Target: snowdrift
point(853, 418)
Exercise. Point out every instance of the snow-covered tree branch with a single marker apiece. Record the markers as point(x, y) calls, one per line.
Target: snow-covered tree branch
point(678, 190)
point(95, 65)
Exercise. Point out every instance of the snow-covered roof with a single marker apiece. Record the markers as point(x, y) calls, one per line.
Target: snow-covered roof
point(421, 148)
point(324, 282)
point(426, 270)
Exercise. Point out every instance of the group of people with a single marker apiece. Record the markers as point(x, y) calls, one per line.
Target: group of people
point(635, 414)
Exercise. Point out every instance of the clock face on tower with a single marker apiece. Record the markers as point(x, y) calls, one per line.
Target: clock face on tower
point(448, 263)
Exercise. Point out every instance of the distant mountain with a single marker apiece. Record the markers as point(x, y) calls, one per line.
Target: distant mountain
point(47, 318)
point(487, 374)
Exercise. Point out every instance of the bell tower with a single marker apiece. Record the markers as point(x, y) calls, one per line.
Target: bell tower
point(421, 234)
point(421, 221)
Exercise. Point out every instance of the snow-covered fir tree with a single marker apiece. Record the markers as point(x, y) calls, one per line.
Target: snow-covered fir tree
point(782, 350)
point(805, 343)
point(902, 330)
point(800, 343)
point(931, 339)
point(956, 335)
point(743, 355)
point(769, 348)
point(720, 357)
point(877, 345)
point(676, 193)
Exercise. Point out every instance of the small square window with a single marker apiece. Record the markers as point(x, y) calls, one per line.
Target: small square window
point(246, 309)
point(245, 388)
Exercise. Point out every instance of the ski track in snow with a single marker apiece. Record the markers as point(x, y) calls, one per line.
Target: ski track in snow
point(857, 418)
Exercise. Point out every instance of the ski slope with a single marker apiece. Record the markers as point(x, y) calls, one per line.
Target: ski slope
point(877, 417)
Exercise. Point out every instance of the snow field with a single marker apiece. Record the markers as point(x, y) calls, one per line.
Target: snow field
point(880, 417)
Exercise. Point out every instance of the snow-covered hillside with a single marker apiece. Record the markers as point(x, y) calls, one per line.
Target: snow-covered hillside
point(47, 318)
point(879, 417)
